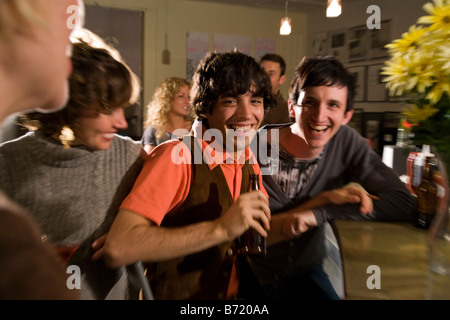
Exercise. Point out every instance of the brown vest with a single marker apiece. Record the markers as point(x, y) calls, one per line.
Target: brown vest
point(206, 274)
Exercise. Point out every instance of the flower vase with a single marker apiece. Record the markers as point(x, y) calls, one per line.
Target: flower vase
point(438, 278)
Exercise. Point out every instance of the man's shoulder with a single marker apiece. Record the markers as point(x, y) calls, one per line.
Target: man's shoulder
point(172, 151)
point(280, 98)
point(347, 142)
point(347, 133)
point(169, 145)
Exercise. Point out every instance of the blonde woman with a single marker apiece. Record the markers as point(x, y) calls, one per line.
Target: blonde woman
point(34, 69)
point(168, 111)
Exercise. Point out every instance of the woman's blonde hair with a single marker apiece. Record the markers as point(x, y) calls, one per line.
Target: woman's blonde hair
point(17, 15)
point(159, 107)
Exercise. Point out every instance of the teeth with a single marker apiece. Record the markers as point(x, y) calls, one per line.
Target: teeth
point(319, 128)
point(109, 135)
point(241, 128)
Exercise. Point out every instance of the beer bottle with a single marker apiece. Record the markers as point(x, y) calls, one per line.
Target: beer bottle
point(427, 195)
point(251, 242)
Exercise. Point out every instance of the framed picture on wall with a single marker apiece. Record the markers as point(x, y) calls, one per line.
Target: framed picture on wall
point(337, 45)
point(197, 46)
point(376, 88)
point(229, 42)
point(263, 46)
point(359, 73)
point(357, 43)
point(319, 44)
point(377, 39)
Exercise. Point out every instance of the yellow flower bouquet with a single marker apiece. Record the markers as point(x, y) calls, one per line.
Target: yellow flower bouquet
point(419, 70)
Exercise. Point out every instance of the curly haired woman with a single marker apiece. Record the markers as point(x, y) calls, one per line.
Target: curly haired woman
point(168, 111)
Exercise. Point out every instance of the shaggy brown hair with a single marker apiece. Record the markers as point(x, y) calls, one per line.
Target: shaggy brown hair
point(99, 83)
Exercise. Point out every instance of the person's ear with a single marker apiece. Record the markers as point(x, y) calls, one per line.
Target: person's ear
point(282, 79)
point(347, 116)
point(291, 108)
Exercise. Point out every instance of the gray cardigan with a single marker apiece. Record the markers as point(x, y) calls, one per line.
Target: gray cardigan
point(346, 158)
point(73, 194)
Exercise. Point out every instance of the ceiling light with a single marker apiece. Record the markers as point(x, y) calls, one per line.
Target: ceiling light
point(285, 27)
point(334, 8)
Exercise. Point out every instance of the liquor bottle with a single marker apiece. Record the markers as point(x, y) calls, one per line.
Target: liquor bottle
point(418, 165)
point(251, 242)
point(427, 194)
point(410, 171)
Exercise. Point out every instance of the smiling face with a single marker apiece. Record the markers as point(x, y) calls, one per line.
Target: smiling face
point(237, 118)
point(180, 102)
point(319, 114)
point(96, 130)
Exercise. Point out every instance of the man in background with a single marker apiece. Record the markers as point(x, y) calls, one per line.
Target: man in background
point(275, 67)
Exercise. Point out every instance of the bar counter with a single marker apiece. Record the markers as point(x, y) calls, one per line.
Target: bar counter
point(400, 250)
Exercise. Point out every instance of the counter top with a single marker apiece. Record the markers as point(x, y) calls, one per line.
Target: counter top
point(398, 252)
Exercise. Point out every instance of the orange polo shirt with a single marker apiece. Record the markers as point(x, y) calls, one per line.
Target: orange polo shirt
point(164, 182)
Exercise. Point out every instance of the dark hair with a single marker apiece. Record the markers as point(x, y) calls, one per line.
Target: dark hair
point(275, 58)
point(322, 71)
point(228, 73)
point(99, 82)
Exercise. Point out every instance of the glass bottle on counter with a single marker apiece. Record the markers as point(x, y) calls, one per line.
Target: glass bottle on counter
point(402, 134)
point(438, 279)
point(418, 164)
point(426, 193)
point(251, 242)
point(402, 138)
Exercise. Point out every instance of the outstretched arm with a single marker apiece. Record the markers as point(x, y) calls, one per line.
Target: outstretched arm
point(133, 237)
point(294, 222)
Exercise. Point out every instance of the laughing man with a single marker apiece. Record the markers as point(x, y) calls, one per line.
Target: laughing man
point(318, 153)
point(182, 217)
